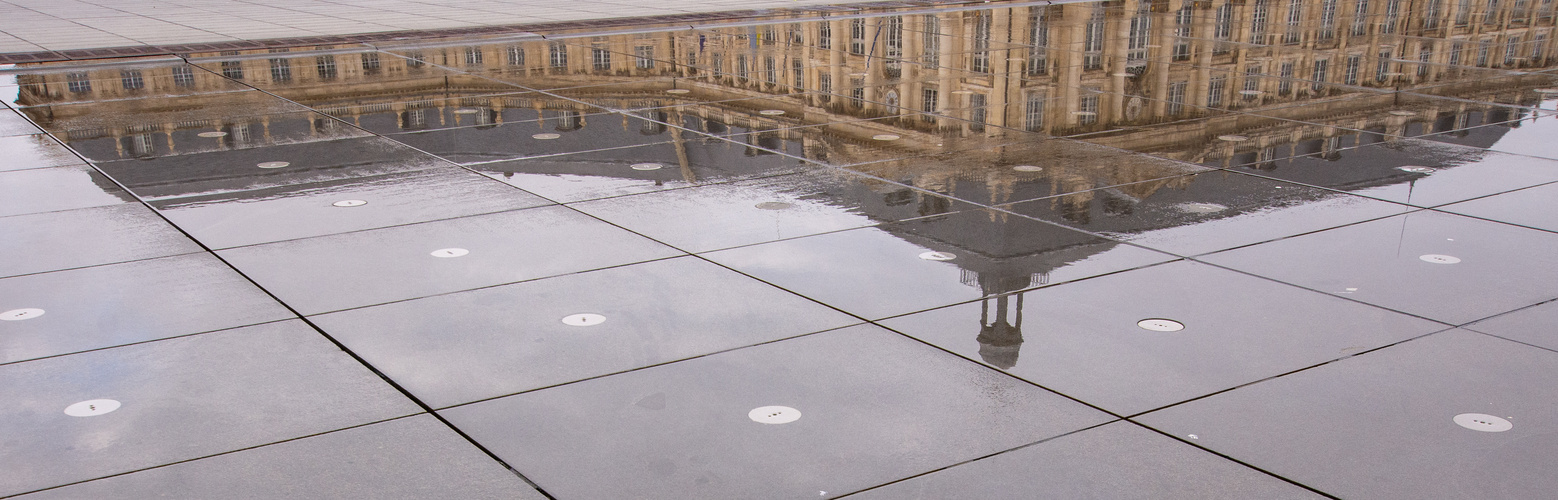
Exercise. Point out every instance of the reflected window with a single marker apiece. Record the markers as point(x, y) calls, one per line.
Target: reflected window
point(893, 45)
point(473, 56)
point(280, 70)
point(1092, 41)
point(857, 92)
point(1462, 13)
point(1285, 79)
point(981, 55)
point(1176, 97)
point(1139, 36)
point(1033, 112)
point(825, 35)
point(1424, 54)
point(1382, 72)
point(1322, 67)
point(1350, 75)
point(1258, 23)
point(1431, 14)
point(1294, 33)
point(928, 100)
point(325, 66)
point(232, 69)
point(857, 36)
point(1215, 89)
point(78, 82)
point(1490, 16)
point(978, 112)
point(891, 101)
point(600, 59)
point(770, 71)
point(131, 79)
point(1392, 16)
point(1089, 105)
point(559, 55)
point(1327, 19)
point(1223, 27)
point(797, 73)
point(516, 55)
point(141, 145)
point(370, 63)
point(183, 76)
point(741, 67)
point(931, 40)
point(415, 59)
point(1511, 50)
point(646, 56)
point(1251, 82)
point(1455, 53)
point(1482, 54)
point(1183, 32)
point(1038, 37)
point(1360, 18)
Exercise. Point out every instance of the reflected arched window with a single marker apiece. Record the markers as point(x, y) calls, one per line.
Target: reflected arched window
point(891, 99)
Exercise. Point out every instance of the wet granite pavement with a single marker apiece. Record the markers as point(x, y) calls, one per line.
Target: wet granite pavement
point(1257, 258)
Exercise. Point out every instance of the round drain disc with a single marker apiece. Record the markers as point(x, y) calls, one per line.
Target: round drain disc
point(1482, 422)
point(449, 252)
point(773, 205)
point(1027, 168)
point(885, 137)
point(1233, 138)
point(1160, 325)
point(647, 166)
point(20, 314)
point(1440, 259)
point(963, 92)
point(273, 164)
point(1416, 170)
point(1126, 75)
point(95, 407)
point(349, 203)
point(677, 91)
point(771, 112)
point(1250, 92)
point(585, 319)
point(774, 415)
point(1200, 208)
point(938, 256)
point(545, 137)
point(212, 134)
point(465, 111)
point(1547, 91)
point(1402, 112)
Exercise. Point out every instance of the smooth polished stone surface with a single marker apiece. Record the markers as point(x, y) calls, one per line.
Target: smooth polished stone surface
point(1390, 172)
point(1082, 339)
point(240, 169)
point(717, 216)
point(305, 210)
point(66, 239)
point(1501, 268)
point(33, 151)
point(12, 124)
point(412, 457)
point(118, 304)
point(878, 272)
point(1536, 325)
point(1380, 425)
point(1536, 207)
point(609, 172)
point(181, 399)
point(342, 271)
point(1206, 212)
point(58, 188)
point(579, 132)
point(1117, 460)
point(462, 347)
point(885, 407)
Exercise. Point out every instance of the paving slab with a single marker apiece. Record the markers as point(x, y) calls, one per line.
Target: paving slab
point(66, 239)
point(57, 188)
point(104, 306)
point(1382, 424)
point(903, 267)
point(1088, 340)
point(462, 347)
point(684, 429)
point(1118, 460)
point(1440, 266)
point(181, 399)
point(412, 457)
point(338, 206)
point(331, 273)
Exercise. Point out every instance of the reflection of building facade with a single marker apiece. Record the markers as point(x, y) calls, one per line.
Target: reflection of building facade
point(1144, 76)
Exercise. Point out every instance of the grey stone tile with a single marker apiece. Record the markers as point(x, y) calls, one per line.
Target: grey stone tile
point(58, 188)
point(119, 304)
point(874, 407)
point(1380, 425)
point(181, 399)
point(1118, 460)
point(336, 272)
point(413, 457)
point(67, 239)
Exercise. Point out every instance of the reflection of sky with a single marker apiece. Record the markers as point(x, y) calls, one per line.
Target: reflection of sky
point(1534, 136)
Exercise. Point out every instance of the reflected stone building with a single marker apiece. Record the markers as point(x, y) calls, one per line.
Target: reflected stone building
point(970, 93)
